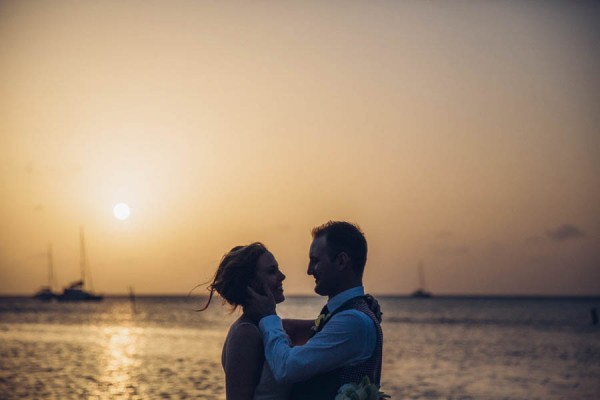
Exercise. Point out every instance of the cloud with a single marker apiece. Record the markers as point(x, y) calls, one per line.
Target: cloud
point(566, 232)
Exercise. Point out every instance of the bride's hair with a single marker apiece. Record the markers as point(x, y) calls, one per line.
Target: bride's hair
point(234, 274)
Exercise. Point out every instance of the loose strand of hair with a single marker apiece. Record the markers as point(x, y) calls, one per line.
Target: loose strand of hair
point(210, 296)
point(210, 288)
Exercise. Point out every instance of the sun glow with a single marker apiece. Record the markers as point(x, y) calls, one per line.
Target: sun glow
point(121, 211)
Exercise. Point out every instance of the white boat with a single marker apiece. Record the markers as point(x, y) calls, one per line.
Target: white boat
point(45, 293)
point(78, 290)
point(421, 292)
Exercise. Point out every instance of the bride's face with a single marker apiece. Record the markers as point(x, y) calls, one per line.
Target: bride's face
point(269, 275)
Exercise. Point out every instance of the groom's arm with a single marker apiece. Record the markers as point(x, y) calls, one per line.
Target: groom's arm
point(348, 338)
point(298, 330)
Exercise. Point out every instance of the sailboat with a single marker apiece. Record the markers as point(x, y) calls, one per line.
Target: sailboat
point(76, 291)
point(45, 293)
point(421, 292)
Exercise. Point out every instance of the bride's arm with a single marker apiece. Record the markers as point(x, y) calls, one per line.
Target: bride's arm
point(298, 330)
point(243, 362)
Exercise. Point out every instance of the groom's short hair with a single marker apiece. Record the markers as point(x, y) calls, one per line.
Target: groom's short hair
point(344, 237)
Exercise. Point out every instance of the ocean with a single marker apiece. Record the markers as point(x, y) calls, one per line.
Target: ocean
point(438, 348)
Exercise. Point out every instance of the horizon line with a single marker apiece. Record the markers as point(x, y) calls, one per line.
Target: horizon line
point(382, 295)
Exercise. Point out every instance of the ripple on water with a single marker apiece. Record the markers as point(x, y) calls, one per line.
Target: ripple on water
point(117, 363)
point(433, 349)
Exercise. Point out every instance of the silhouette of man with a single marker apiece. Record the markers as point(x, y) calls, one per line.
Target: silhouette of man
point(346, 341)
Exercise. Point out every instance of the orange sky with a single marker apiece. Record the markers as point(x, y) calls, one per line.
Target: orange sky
point(461, 134)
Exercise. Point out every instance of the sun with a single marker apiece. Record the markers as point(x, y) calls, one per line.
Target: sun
point(121, 211)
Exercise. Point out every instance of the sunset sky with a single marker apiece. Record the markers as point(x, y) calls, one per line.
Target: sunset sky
point(464, 135)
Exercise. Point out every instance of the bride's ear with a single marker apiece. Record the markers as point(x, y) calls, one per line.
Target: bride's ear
point(257, 286)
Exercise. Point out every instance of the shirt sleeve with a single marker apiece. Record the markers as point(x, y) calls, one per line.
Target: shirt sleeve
point(347, 339)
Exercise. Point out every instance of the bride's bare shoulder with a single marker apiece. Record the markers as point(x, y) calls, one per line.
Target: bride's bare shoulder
point(243, 329)
point(243, 345)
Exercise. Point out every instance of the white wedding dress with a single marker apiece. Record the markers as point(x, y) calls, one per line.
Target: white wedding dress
point(267, 388)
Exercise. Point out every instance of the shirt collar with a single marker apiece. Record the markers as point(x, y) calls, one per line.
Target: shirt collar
point(343, 297)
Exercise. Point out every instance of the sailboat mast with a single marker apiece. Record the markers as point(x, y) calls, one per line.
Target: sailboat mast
point(50, 268)
point(86, 275)
point(82, 256)
point(421, 276)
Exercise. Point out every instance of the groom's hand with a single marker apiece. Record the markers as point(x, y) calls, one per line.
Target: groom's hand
point(258, 305)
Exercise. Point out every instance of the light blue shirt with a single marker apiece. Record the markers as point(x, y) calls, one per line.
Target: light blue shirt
point(348, 338)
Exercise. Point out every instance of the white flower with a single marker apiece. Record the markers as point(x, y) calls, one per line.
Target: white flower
point(365, 390)
point(321, 319)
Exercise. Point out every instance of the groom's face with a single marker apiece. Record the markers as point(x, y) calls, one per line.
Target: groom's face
point(322, 268)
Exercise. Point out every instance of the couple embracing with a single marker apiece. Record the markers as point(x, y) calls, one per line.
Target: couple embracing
point(265, 357)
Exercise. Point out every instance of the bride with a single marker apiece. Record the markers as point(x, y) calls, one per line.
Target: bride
point(247, 375)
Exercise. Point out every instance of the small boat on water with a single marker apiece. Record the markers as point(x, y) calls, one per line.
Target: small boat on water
point(78, 290)
point(45, 293)
point(421, 293)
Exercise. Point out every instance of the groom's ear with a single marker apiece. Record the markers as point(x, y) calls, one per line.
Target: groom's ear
point(343, 261)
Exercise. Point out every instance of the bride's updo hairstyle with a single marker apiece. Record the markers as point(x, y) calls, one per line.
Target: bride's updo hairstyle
point(234, 274)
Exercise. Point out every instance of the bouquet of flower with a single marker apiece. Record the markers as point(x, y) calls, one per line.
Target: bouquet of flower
point(365, 390)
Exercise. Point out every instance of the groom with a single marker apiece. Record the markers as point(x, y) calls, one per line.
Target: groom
point(346, 342)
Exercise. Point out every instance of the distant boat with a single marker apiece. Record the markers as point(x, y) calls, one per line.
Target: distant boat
point(45, 293)
point(421, 293)
point(76, 291)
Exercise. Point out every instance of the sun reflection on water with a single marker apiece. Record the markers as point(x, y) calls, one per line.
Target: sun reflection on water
point(121, 361)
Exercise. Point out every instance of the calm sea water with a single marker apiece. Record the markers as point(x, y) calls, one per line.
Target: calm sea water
point(434, 348)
